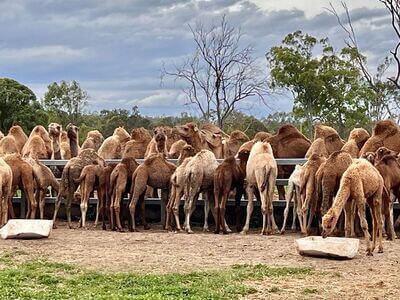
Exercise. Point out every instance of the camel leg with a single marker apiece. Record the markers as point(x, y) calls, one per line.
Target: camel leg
point(249, 210)
point(169, 211)
point(293, 228)
point(265, 228)
point(68, 207)
point(289, 197)
point(84, 206)
point(387, 209)
point(378, 223)
point(116, 209)
point(143, 212)
point(363, 222)
point(57, 204)
point(238, 200)
point(206, 211)
point(218, 202)
point(190, 205)
point(97, 209)
point(348, 212)
point(175, 207)
point(42, 202)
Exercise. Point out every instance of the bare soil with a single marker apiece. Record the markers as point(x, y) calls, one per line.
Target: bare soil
point(156, 251)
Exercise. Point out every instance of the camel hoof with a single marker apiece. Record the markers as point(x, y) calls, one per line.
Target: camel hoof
point(54, 226)
point(243, 232)
point(146, 227)
point(380, 250)
point(282, 231)
point(238, 229)
point(216, 231)
point(369, 253)
point(228, 230)
point(189, 231)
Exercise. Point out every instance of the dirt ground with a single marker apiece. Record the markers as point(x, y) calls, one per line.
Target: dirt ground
point(156, 251)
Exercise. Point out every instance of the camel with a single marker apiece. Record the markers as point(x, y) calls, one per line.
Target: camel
point(175, 149)
point(55, 136)
point(199, 178)
point(386, 133)
point(6, 178)
point(261, 173)
point(261, 136)
point(93, 140)
point(113, 146)
point(19, 135)
point(288, 142)
point(69, 177)
point(308, 189)
point(172, 136)
point(73, 136)
point(317, 147)
point(38, 132)
point(8, 145)
point(65, 147)
point(177, 186)
point(293, 193)
point(36, 148)
point(158, 143)
point(232, 145)
point(23, 178)
point(332, 140)
point(155, 172)
point(227, 177)
point(120, 183)
point(44, 178)
point(136, 147)
point(356, 140)
point(362, 183)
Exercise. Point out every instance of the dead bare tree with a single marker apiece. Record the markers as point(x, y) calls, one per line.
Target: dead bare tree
point(220, 73)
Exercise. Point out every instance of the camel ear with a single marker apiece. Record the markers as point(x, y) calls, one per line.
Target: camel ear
point(196, 129)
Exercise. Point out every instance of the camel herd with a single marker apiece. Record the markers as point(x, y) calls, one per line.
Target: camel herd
point(338, 175)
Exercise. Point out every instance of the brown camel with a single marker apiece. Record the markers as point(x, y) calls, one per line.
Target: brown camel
point(113, 146)
point(232, 145)
point(23, 178)
point(38, 131)
point(386, 133)
point(19, 135)
point(288, 142)
point(36, 148)
point(73, 136)
point(136, 147)
point(177, 186)
point(261, 173)
point(332, 140)
point(155, 172)
point(158, 143)
point(317, 147)
point(6, 178)
point(93, 140)
point(229, 176)
point(69, 177)
point(8, 145)
point(65, 147)
point(120, 183)
point(362, 183)
point(55, 130)
point(261, 136)
point(175, 149)
point(356, 140)
point(199, 178)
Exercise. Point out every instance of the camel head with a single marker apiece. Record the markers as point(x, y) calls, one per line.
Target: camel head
point(385, 128)
point(176, 149)
point(329, 221)
point(54, 129)
point(122, 134)
point(72, 131)
point(382, 151)
point(187, 130)
point(360, 136)
point(187, 151)
point(261, 136)
point(160, 134)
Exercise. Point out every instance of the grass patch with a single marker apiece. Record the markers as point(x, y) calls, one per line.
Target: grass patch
point(308, 291)
point(41, 279)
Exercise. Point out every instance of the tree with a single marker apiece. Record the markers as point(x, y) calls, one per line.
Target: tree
point(220, 73)
point(248, 124)
point(274, 121)
point(326, 86)
point(66, 100)
point(18, 105)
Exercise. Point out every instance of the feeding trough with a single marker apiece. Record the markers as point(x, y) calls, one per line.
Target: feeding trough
point(26, 229)
point(330, 247)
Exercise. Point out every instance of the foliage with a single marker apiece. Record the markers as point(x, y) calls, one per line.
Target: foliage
point(18, 105)
point(246, 123)
point(326, 85)
point(41, 279)
point(273, 121)
point(65, 101)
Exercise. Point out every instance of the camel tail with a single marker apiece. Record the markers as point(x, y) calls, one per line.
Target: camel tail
point(267, 173)
point(113, 178)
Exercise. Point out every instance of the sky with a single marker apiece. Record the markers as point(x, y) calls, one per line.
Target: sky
point(116, 49)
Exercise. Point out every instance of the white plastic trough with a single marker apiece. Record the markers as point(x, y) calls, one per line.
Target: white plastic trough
point(26, 229)
point(330, 247)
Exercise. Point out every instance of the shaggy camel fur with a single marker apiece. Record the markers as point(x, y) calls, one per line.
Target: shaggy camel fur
point(55, 130)
point(261, 136)
point(232, 145)
point(69, 177)
point(356, 140)
point(199, 178)
point(23, 178)
point(6, 178)
point(36, 149)
point(332, 140)
point(317, 147)
point(120, 183)
point(19, 135)
point(362, 183)
point(308, 190)
point(91, 178)
point(8, 145)
point(44, 178)
point(288, 142)
point(177, 186)
point(114, 145)
point(261, 173)
point(389, 167)
point(158, 143)
point(386, 133)
point(136, 147)
point(93, 140)
point(293, 193)
point(73, 136)
point(175, 149)
point(229, 176)
point(41, 132)
point(65, 147)
point(155, 172)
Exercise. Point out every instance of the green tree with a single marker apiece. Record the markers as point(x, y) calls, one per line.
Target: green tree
point(66, 100)
point(326, 86)
point(273, 121)
point(18, 105)
point(246, 123)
